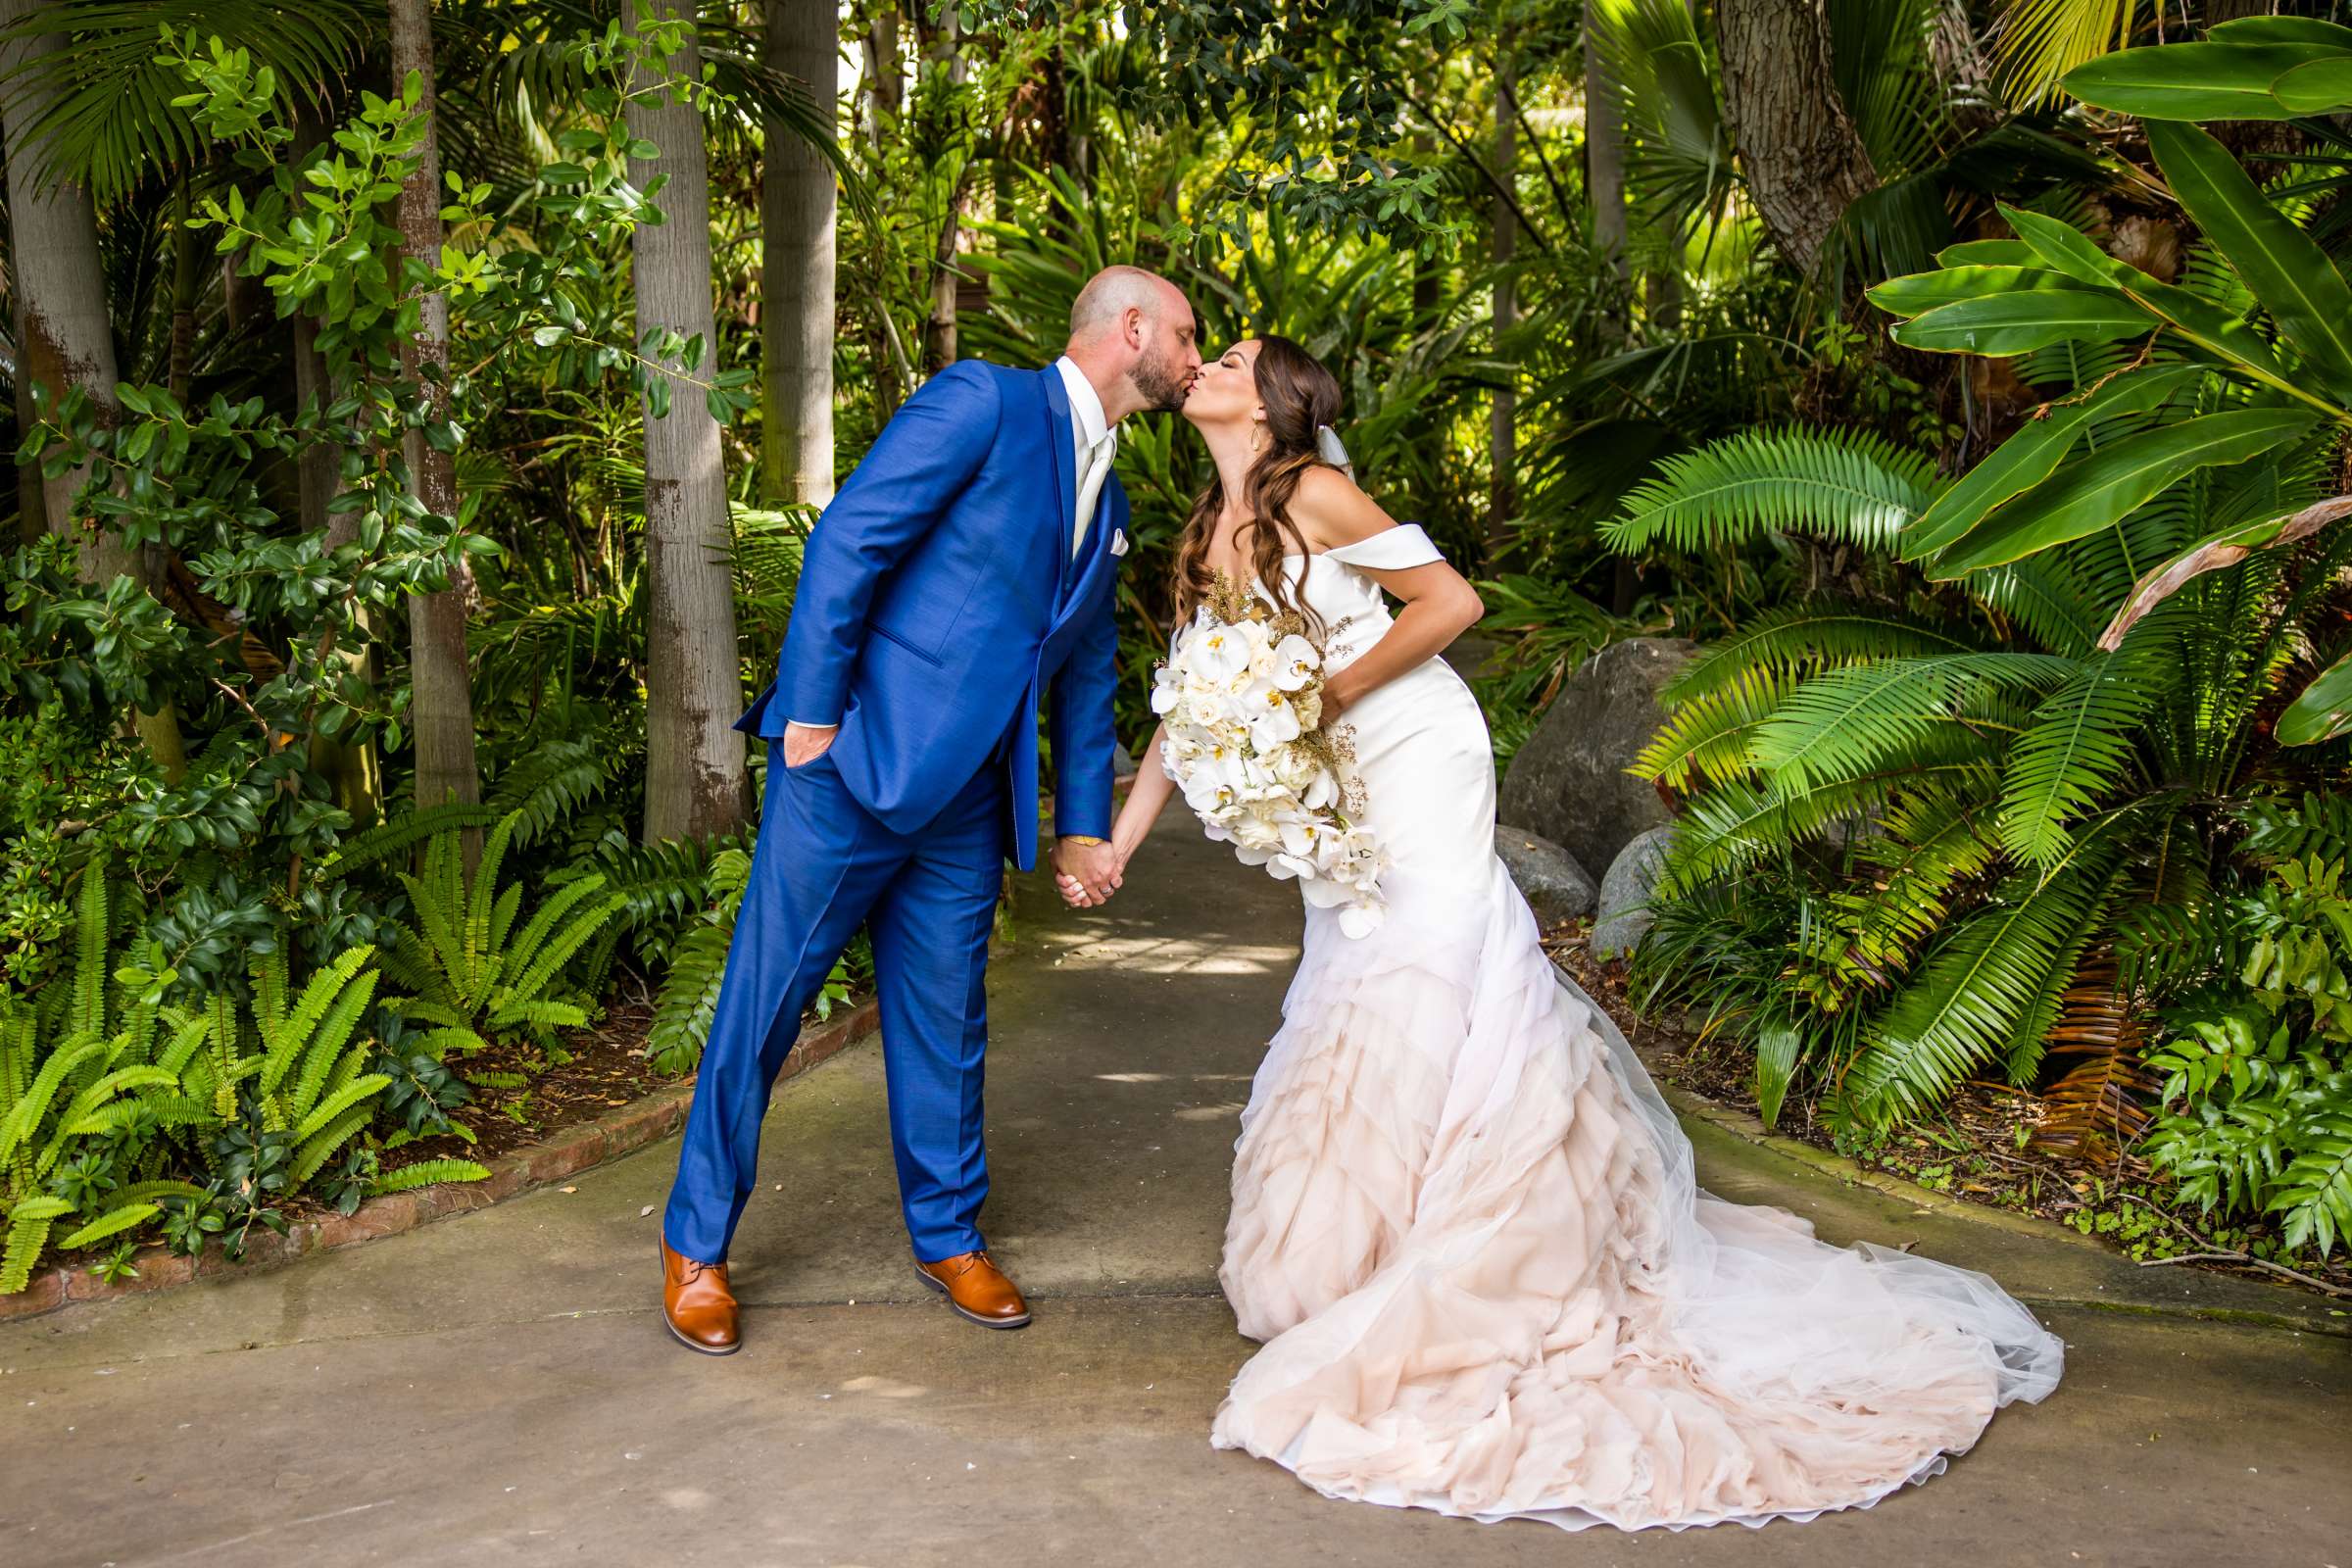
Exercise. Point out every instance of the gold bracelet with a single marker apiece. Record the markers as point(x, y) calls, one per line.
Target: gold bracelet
point(1080, 837)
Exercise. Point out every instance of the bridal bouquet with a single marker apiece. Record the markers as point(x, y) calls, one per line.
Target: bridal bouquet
point(1240, 693)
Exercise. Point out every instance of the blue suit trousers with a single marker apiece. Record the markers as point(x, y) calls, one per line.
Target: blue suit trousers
point(822, 867)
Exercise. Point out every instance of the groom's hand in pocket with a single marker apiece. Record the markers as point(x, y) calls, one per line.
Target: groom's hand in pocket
point(1086, 870)
point(805, 743)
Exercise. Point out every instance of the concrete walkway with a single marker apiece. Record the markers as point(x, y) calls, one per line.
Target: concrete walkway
point(498, 1388)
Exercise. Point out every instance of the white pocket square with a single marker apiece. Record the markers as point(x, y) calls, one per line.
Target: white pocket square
point(1118, 542)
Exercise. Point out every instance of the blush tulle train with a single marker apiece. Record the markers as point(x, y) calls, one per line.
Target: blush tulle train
point(1466, 1226)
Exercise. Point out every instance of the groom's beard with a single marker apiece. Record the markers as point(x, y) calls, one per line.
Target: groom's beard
point(1162, 384)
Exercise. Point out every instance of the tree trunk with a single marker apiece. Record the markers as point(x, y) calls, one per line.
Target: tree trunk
point(1804, 163)
point(66, 337)
point(441, 710)
point(33, 515)
point(939, 331)
point(694, 784)
point(1502, 489)
point(885, 76)
point(1604, 166)
point(797, 208)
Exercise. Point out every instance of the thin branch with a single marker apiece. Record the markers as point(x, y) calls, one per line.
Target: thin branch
point(1560, 197)
point(1509, 197)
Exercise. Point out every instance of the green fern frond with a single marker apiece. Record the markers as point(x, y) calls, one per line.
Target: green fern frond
point(2080, 749)
point(24, 1121)
point(90, 970)
point(548, 953)
point(429, 1173)
point(539, 1015)
point(400, 835)
point(152, 1191)
point(1975, 989)
point(1712, 733)
point(317, 1149)
point(114, 1222)
point(337, 1104)
point(481, 894)
point(1931, 845)
point(326, 1005)
point(2043, 594)
point(1848, 722)
point(27, 1236)
point(554, 778)
point(1820, 634)
point(1841, 485)
point(689, 998)
point(327, 1051)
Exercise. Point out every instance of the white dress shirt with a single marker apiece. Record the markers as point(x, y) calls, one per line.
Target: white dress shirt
point(1093, 443)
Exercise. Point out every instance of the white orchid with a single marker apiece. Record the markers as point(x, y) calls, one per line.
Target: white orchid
point(1295, 662)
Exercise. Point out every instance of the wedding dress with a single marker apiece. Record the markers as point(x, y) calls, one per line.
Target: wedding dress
point(1466, 1228)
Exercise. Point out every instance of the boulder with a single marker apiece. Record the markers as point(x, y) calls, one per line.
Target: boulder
point(1621, 917)
point(1555, 887)
point(1121, 764)
point(1569, 781)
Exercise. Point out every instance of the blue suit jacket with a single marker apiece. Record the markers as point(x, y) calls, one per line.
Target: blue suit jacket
point(938, 602)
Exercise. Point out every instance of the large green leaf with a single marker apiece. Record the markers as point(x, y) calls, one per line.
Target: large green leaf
point(2287, 271)
point(2323, 711)
point(2205, 325)
point(2214, 552)
point(2018, 323)
point(1988, 253)
point(2281, 30)
point(2211, 80)
point(1918, 293)
point(2320, 87)
point(2107, 485)
point(2034, 454)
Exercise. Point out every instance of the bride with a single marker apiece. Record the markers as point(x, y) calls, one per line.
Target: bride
point(1464, 1224)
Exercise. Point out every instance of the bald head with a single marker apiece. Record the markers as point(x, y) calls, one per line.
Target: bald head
point(1112, 293)
point(1132, 334)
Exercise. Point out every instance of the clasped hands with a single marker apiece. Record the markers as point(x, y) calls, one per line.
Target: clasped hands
point(1086, 871)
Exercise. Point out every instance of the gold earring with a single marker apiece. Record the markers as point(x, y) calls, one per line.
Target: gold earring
point(1257, 438)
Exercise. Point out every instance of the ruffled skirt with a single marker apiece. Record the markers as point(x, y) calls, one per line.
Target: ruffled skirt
point(1466, 1227)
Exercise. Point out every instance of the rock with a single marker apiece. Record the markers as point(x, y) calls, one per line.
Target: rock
point(1622, 917)
point(1569, 781)
point(1555, 887)
point(1121, 764)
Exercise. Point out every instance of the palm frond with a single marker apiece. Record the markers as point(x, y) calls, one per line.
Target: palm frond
point(1841, 485)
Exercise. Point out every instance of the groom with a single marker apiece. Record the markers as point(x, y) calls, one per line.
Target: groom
point(964, 570)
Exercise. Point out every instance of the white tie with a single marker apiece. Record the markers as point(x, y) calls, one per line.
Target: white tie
point(1091, 474)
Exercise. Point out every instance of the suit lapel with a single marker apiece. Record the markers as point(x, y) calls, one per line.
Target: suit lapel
point(1092, 554)
point(1060, 422)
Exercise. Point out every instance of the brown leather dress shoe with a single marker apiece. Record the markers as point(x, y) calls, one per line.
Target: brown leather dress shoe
point(697, 1304)
point(977, 1289)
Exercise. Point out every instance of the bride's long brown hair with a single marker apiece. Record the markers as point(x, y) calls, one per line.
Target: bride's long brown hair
point(1299, 395)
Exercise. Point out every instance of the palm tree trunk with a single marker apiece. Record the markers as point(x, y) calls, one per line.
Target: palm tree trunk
point(796, 213)
point(441, 709)
point(694, 782)
point(939, 331)
point(1604, 164)
point(1804, 163)
point(32, 515)
point(1502, 490)
point(66, 340)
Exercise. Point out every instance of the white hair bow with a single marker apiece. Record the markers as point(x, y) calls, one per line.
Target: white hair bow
point(1332, 451)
